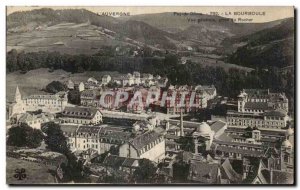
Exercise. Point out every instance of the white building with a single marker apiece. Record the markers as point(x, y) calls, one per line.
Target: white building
point(80, 86)
point(81, 115)
point(149, 145)
point(34, 120)
point(106, 79)
point(261, 100)
point(92, 80)
point(47, 103)
point(259, 108)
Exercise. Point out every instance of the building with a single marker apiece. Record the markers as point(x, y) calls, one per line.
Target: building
point(70, 84)
point(191, 96)
point(125, 80)
point(270, 120)
point(90, 97)
point(106, 79)
point(35, 120)
point(149, 145)
point(124, 164)
point(81, 115)
point(259, 108)
point(203, 136)
point(209, 172)
point(112, 137)
point(261, 100)
point(79, 86)
point(209, 90)
point(136, 78)
point(99, 138)
point(262, 174)
point(70, 131)
point(236, 150)
point(47, 103)
point(92, 80)
point(17, 105)
point(87, 137)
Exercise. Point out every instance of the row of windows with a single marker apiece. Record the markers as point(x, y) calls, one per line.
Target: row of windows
point(42, 101)
point(254, 122)
point(79, 121)
point(150, 146)
point(240, 147)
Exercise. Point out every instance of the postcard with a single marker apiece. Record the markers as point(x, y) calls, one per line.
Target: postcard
point(150, 95)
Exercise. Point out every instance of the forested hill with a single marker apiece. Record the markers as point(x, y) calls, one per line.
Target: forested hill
point(272, 47)
point(46, 16)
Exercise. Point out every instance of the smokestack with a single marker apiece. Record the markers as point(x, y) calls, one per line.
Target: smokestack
point(271, 176)
point(181, 123)
point(167, 125)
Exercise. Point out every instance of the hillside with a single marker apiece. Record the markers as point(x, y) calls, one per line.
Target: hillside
point(269, 47)
point(174, 24)
point(78, 31)
point(47, 29)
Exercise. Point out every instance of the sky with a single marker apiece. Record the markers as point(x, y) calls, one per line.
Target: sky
point(266, 14)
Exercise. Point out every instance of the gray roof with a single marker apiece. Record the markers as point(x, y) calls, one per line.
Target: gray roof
point(257, 105)
point(240, 151)
point(225, 137)
point(116, 135)
point(187, 124)
point(263, 132)
point(277, 112)
point(216, 126)
point(204, 172)
point(47, 97)
point(90, 93)
point(228, 172)
point(69, 129)
point(89, 129)
point(142, 140)
point(80, 112)
point(116, 161)
point(238, 144)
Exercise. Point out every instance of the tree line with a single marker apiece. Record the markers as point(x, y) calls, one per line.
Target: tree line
point(228, 83)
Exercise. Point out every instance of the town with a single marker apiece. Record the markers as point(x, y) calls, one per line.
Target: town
point(119, 140)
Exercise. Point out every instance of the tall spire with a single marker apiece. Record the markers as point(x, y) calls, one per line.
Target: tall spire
point(18, 97)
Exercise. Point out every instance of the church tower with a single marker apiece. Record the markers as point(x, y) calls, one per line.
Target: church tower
point(17, 106)
point(18, 97)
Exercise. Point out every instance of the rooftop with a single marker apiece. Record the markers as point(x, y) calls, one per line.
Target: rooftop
point(204, 172)
point(257, 105)
point(80, 112)
point(116, 161)
point(146, 138)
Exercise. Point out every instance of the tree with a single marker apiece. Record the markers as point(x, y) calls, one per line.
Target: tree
point(186, 143)
point(57, 142)
point(24, 135)
point(74, 97)
point(146, 172)
point(180, 172)
point(248, 132)
point(55, 86)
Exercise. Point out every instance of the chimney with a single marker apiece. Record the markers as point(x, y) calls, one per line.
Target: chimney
point(167, 125)
point(271, 176)
point(181, 124)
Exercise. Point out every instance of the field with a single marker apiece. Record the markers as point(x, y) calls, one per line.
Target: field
point(206, 60)
point(35, 173)
point(34, 81)
point(66, 38)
